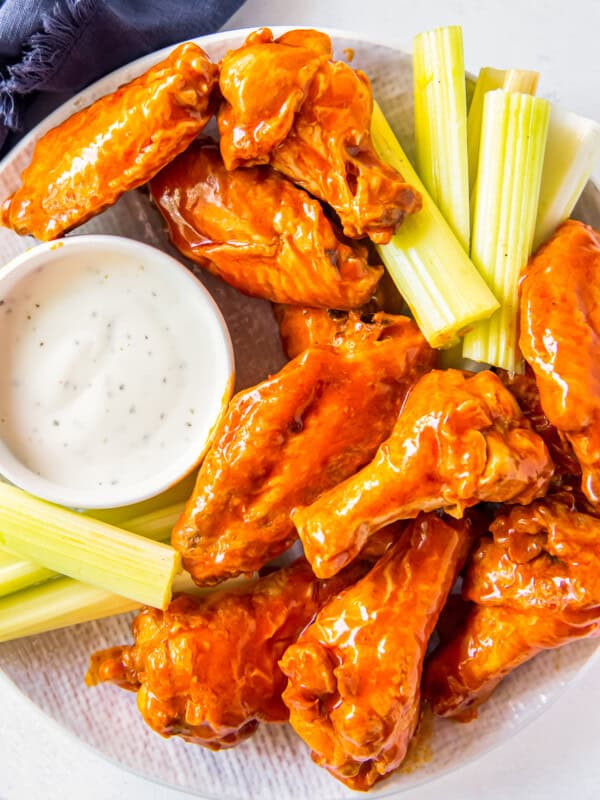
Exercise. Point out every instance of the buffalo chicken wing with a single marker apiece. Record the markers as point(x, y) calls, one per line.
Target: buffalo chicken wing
point(354, 674)
point(118, 143)
point(206, 668)
point(459, 440)
point(259, 232)
point(535, 585)
point(317, 128)
point(287, 440)
point(560, 338)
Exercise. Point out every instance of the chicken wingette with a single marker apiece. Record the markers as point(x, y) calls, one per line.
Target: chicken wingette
point(316, 132)
point(259, 232)
point(284, 442)
point(534, 585)
point(206, 668)
point(118, 143)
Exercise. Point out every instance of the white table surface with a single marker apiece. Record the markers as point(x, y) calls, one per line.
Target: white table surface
point(556, 757)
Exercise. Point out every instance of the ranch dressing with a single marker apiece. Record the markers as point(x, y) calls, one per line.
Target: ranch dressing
point(104, 377)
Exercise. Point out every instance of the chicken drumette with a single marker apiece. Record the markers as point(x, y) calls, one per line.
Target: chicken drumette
point(284, 442)
point(259, 232)
point(535, 585)
point(354, 674)
point(560, 338)
point(322, 129)
point(459, 440)
point(118, 143)
point(206, 668)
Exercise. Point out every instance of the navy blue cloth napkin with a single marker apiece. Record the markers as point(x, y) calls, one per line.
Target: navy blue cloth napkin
point(50, 49)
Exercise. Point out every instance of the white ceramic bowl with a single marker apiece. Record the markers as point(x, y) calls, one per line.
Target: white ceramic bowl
point(184, 325)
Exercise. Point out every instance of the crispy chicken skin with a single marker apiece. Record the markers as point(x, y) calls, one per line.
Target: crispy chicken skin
point(314, 126)
point(535, 585)
point(287, 440)
point(495, 641)
point(330, 154)
point(301, 328)
point(118, 143)
point(459, 440)
point(206, 668)
point(251, 122)
point(354, 674)
point(560, 338)
point(259, 232)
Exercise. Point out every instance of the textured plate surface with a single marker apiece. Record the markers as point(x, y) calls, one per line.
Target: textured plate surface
point(274, 764)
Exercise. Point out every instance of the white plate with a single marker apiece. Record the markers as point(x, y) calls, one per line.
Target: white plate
point(274, 764)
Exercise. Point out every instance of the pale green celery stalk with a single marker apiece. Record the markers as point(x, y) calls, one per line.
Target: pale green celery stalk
point(513, 140)
point(17, 573)
point(56, 604)
point(572, 151)
point(86, 549)
point(512, 80)
point(441, 124)
point(426, 261)
point(487, 80)
point(63, 602)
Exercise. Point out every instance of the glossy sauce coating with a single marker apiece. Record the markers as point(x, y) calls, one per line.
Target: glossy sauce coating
point(301, 328)
point(560, 338)
point(527, 394)
point(287, 440)
point(354, 674)
point(251, 122)
point(313, 124)
point(494, 641)
point(259, 232)
point(458, 441)
point(118, 143)
point(206, 668)
point(544, 556)
point(329, 153)
point(535, 585)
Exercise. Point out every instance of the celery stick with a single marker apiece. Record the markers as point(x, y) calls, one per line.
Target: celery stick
point(513, 140)
point(487, 80)
point(572, 151)
point(17, 573)
point(441, 124)
point(56, 604)
point(62, 602)
point(512, 80)
point(426, 261)
point(86, 549)
point(521, 80)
